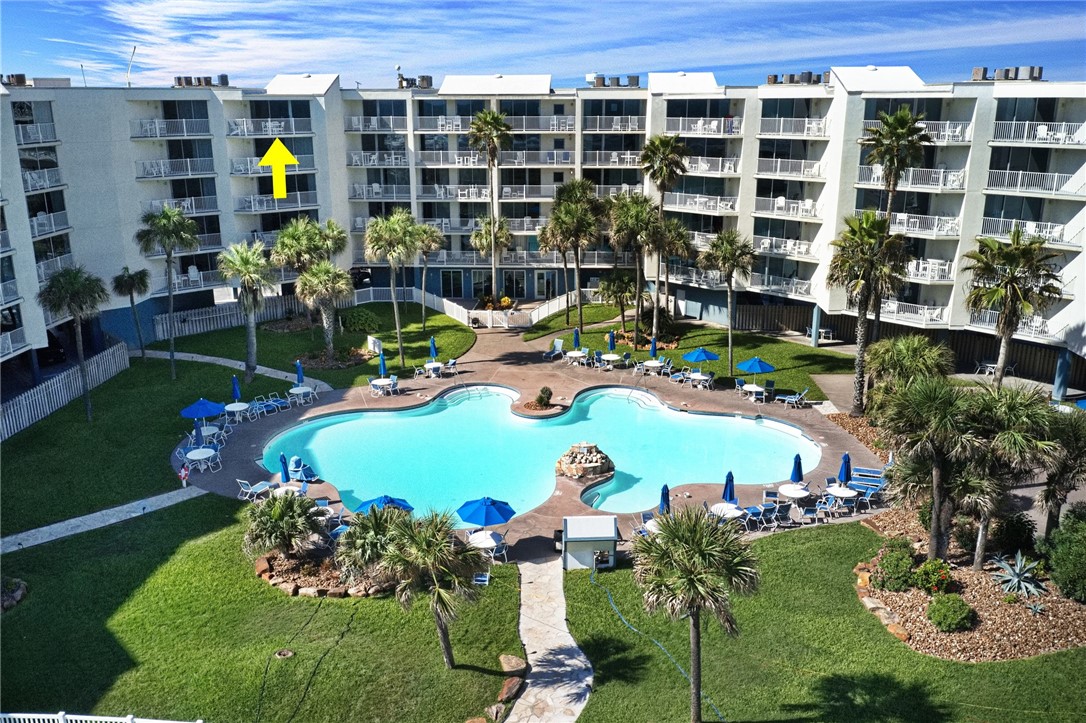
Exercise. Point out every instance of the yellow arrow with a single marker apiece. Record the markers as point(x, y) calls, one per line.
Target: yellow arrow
point(278, 157)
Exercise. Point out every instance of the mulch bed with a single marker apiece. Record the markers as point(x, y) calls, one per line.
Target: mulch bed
point(859, 428)
point(312, 571)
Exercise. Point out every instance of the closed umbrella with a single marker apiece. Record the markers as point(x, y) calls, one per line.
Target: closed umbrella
point(665, 501)
point(611, 340)
point(699, 355)
point(299, 372)
point(652, 348)
point(797, 470)
point(485, 512)
point(845, 475)
point(755, 366)
point(433, 347)
point(382, 502)
point(283, 470)
point(576, 338)
point(382, 369)
point(729, 489)
point(236, 391)
point(198, 433)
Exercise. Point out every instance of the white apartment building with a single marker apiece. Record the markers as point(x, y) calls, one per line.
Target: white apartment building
point(781, 162)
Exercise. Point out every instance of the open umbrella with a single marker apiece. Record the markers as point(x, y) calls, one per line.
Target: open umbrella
point(202, 408)
point(433, 347)
point(845, 475)
point(382, 502)
point(382, 369)
point(755, 366)
point(611, 340)
point(198, 434)
point(729, 489)
point(576, 338)
point(485, 512)
point(284, 471)
point(797, 470)
point(699, 355)
point(652, 348)
point(236, 391)
point(299, 372)
point(665, 501)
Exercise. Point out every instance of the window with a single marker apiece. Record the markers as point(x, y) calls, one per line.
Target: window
point(559, 144)
point(384, 107)
point(279, 108)
point(513, 285)
point(559, 177)
point(429, 107)
point(452, 283)
point(184, 109)
point(520, 107)
point(480, 282)
point(469, 107)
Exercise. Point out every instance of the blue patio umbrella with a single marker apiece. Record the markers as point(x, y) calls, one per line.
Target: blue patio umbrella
point(611, 340)
point(845, 475)
point(485, 512)
point(236, 391)
point(382, 502)
point(198, 434)
point(729, 489)
point(382, 369)
point(665, 501)
point(283, 470)
point(433, 347)
point(576, 338)
point(755, 366)
point(797, 470)
point(300, 373)
point(652, 348)
point(699, 355)
point(202, 408)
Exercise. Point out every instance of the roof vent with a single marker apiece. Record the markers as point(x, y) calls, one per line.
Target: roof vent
point(872, 67)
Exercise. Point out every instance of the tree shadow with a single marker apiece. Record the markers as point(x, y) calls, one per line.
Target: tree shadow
point(614, 659)
point(871, 697)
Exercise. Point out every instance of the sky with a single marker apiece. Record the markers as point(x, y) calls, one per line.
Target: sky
point(364, 40)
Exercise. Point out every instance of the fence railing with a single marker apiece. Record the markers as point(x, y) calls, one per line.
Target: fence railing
point(162, 128)
point(1064, 183)
point(704, 126)
point(376, 123)
point(558, 303)
point(46, 398)
point(12, 341)
point(63, 717)
point(224, 316)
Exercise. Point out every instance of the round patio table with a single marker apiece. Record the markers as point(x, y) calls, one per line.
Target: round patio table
point(726, 510)
point(574, 356)
point(433, 368)
point(654, 365)
point(841, 491)
point(235, 409)
point(795, 492)
point(652, 526)
point(484, 540)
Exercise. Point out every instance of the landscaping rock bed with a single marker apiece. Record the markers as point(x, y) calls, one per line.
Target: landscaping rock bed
point(859, 428)
point(314, 576)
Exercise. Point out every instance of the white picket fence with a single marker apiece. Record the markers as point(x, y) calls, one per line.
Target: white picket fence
point(225, 316)
point(20, 412)
point(63, 717)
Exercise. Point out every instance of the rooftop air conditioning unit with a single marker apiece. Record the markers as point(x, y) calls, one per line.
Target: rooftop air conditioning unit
point(224, 79)
point(1035, 72)
point(178, 81)
point(826, 77)
point(634, 81)
point(207, 80)
point(18, 79)
point(980, 73)
point(600, 81)
point(1001, 74)
point(197, 80)
point(1025, 72)
point(790, 78)
point(805, 77)
point(615, 81)
point(771, 80)
point(1012, 73)
point(426, 81)
point(187, 80)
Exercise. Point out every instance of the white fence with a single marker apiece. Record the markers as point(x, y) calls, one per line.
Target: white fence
point(63, 717)
point(225, 316)
point(46, 398)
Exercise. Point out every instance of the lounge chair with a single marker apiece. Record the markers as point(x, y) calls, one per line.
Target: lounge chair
point(251, 492)
point(758, 517)
point(867, 472)
point(796, 400)
point(555, 351)
point(783, 514)
point(481, 578)
point(279, 402)
point(338, 532)
point(681, 376)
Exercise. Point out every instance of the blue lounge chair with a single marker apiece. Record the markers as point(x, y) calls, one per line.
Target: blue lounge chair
point(867, 472)
point(481, 578)
point(796, 400)
point(739, 384)
point(555, 351)
point(250, 492)
point(395, 388)
point(783, 514)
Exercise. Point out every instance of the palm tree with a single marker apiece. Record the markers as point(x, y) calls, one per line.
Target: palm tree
point(299, 244)
point(861, 250)
point(897, 144)
point(1065, 468)
point(633, 220)
point(171, 232)
point(76, 293)
point(492, 238)
point(928, 421)
point(284, 523)
point(620, 290)
point(693, 564)
point(731, 254)
point(577, 223)
point(489, 133)
point(321, 286)
point(1016, 279)
point(669, 234)
point(247, 263)
point(362, 546)
point(663, 160)
point(680, 246)
point(391, 239)
point(897, 362)
point(550, 241)
point(428, 240)
point(133, 284)
point(333, 238)
point(427, 559)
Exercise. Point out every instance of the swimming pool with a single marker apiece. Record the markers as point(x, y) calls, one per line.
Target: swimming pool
point(468, 444)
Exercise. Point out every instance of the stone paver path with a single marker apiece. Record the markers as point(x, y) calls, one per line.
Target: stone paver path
point(560, 676)
point(320, 386)
point(93, 521)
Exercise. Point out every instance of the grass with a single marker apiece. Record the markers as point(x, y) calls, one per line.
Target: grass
point(279, 350)
point(795, 363)
point(63, 466)
point(808, 650)
point(593, 314)
point(162, 617)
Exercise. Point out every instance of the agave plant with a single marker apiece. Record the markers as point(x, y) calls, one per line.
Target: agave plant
point(1017, 577)
point(1035, 608)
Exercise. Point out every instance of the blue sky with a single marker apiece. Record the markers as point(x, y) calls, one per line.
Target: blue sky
point(363, 41)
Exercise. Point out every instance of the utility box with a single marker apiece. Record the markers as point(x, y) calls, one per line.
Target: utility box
point(589, 541)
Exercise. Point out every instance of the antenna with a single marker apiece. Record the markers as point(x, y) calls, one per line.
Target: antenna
point(84, 75)
point(128, 73)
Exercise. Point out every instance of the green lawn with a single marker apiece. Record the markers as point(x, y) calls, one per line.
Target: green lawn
point(795, 363)
point(593, 314)
point(63, 467)
point(808, 651)
point(162, 617)
point(279, 350)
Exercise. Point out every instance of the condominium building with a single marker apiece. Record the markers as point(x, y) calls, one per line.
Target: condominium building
point(781, 162)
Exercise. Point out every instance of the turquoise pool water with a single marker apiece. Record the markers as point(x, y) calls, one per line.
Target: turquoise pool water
point(468, 444)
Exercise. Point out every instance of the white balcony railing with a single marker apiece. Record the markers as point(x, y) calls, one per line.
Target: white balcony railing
point(699, 203)
point(161, 128)
point(774, 245)
point(268, 202)
point(452, 192)
point(383, 191)
point(780, 284)
point(938, 131)
point(208, 242)
point(368, 159)
point(174, 167)
point(48, 223)
point(786, 168)
point(704, 126)
point(1032, 327)
point(48, 267)
point(251, 166)
point(616, 123)
point(912, 224)
point(454, 225)
point(781, 206)
point(807, 127)
point(376, 123)
point(1052, 233)
point(194, 204)
point(1043, 133)
point(926, 179)
point(443, 158)
point(930, 270)
point(9, 292)
point(536, 158)
point(12, 341)
point(269, 126)
point(519, 193)
point(41, 179)
point(1055, 183)
point(695, 277)
point(628, 159)
point(551, 123)
point(443, 124)
point(528, 224)
point(894, 310)
point(709, 166)
point(190, 280)
point(611, 191)
point(35, 133)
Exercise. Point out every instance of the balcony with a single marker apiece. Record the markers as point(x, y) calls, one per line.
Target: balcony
point(1045, 134)
point(941, 132)
point(709, 166)
point(913, 314)
point(386, 192)
point(930, 270)
point(41, 180)
point(1056, 184)
point(251, 166)
point(160, 128)
point(628, 159)
point(1031, 327)
point(175, 168)
point(52, 319)
point(786, 168)
point(915, 179)
point(1054, 234)
point(442, 124)
point(543, 192)
point(9, 292)
point(536, 158)
point(616, 123)
point(780, 285)
point(692, 276)
point(12, 342)
point(704, 126)
point(192, 205)
point(698, 203)
point(450, 158)
point(268, 202)
point(244, 127)
point(367, 159)
point(542, 123)
point(527, 224)
point(453, 192)
point(193, 280)
point(5, 240)
point(456, 225)
point(35, 133)
point(805, 210)
point(208, 242)
point(50, 266)
point(46, 224)
point(912, 224)
point(803, 127)
point(775, 246)
point(376, 123)
point(611, 191)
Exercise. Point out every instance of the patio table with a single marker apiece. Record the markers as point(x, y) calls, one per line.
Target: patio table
point(433, 369)
point(572, 357)
point(841, 491)
point(484, 540)
point(654, 365)
point(200, 457)
point(792, 491)
point(726, 510)
point(235, 409)
point(384, 384)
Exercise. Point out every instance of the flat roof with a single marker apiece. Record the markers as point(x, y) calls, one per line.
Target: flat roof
point(305, 84)
point(877, 77)
point(496, 84)
point(683, 82)
point(590, 528)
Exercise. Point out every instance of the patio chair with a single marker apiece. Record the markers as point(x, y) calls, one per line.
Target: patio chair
point(481, 579)
point(419, 372)
point(266, 405)
point(375, 391)
point(395, 388)
point(808, 514)
point(783, 515)
point(770, 390)
point(796, 400)
point(681, 376)
point(639, 369)
point(707, 383)
point(758, 518)
point(278, 401)
point(645, 517)
point(870, 472)
point(597, 360)
point(335, 534)
point(555, 351)
point(500, 550)
point(214, 463)
point(758, 397)
point(769, 497)
point(739, 384)
point(251, 492)
point(450, 368)
point(627, 360)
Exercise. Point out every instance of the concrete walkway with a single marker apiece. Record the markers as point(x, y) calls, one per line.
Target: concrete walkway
point(560, 676)
point(93, 521)
point(316, 384)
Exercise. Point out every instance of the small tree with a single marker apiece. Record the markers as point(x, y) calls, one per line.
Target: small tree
point(247, 264)
point(363, 545)
point(489, 133)
point(897, 362)
point(621, 291)
point(633, 219)
point(133, 284)
point(491, 238)
point(428, 240)
point(320, 287)
point(283, 523)
point(391, 238)
point(1065, 468)
point(732, 254)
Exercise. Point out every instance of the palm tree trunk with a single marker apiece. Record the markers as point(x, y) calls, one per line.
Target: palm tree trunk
point(877, 320)
point(443, 637)
point(328, 320)
point(695, 665)
point(982, 542)
point(424, 264)
point(891, 192)
point(250, 345)
point(77, 323)
point(937, 502)
point(731, 322)
point(577, 284)
point(494, 231)
point(861, 349)
point(169, 313)
point(638, 307)
point(136, 322)
point(656, 301)
point(396, 313)
point(1053, 521)
point(1001, 362)
point(667, 289)
point(565, 283)
point(622, 313)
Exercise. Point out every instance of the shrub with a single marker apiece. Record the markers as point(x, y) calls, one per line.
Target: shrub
point(1010, 599)
point(543, 399)
point(1018, 576)
point(359, 319)
point(283, 523)
point(893, 569)
point(1067, 558)
point(965, 532)
point(924, 515)
point(899, 543)
point(932, 576)
point(1075, 511)
point(1012, 532)
point(949, 613)
point(667, 324)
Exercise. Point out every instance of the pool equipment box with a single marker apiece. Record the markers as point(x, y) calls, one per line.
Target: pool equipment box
point(584, 537)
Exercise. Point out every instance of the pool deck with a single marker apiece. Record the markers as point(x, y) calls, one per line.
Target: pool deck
point(501, 357)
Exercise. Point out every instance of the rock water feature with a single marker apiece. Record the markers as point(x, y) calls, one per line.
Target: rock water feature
point(584, 461)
